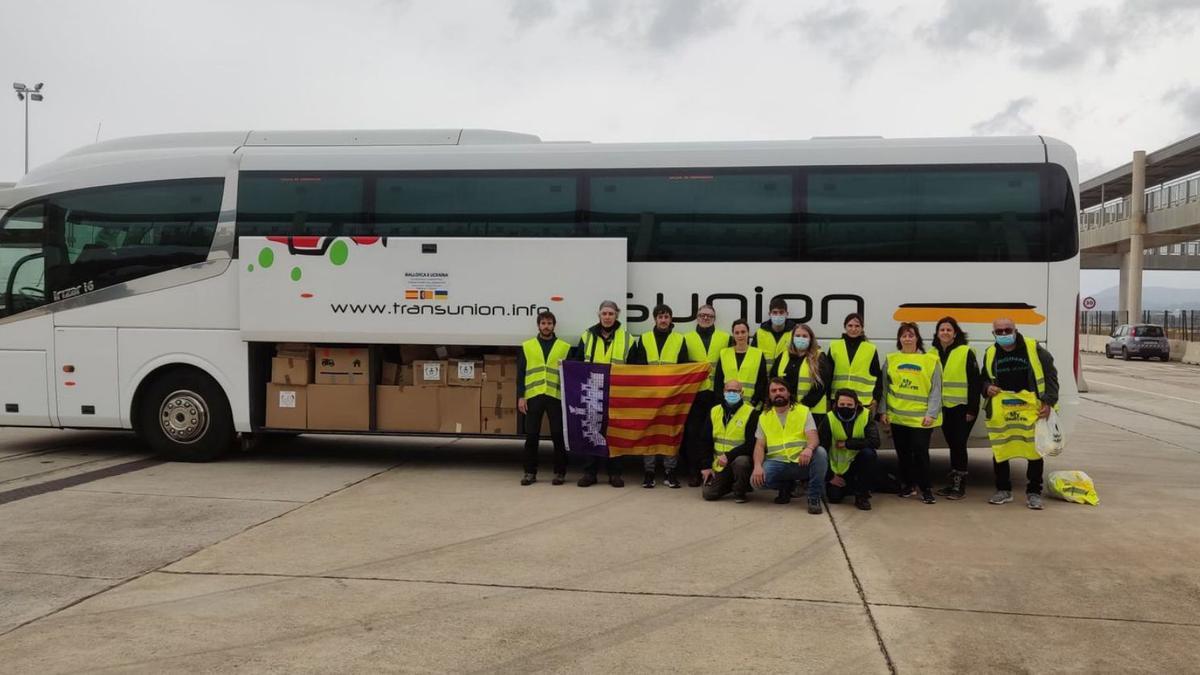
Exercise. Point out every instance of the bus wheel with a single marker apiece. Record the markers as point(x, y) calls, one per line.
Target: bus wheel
point(185, 416)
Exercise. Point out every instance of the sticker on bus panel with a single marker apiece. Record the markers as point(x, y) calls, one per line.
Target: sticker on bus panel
point(969, 312)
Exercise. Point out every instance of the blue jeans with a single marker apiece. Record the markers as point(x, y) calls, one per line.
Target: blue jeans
point(783, 475)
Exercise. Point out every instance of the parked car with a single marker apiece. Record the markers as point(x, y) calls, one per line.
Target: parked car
point(1143, 340)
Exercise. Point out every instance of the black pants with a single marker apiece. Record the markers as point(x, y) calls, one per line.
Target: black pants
point(859, 477)
point(1033, 474)
point(912, 449)
point(957, 430)
point(693, 430)
point(537, 406)
point(734, 478)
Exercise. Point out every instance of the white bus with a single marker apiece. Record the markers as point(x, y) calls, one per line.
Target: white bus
point(120, 261)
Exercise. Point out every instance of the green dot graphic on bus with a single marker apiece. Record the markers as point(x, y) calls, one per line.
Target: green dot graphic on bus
point(266, 257)
point(296, 274)
point(339, 252)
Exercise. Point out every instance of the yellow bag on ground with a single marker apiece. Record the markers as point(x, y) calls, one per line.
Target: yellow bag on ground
point(1072, 486)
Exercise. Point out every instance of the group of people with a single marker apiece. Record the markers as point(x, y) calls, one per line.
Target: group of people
point(777, 410)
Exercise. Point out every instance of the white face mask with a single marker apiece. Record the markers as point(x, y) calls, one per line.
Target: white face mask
point(777, 320)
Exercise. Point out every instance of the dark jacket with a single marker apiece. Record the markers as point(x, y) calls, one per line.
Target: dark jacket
point(577, 352)
point(746, 448)
point(852, 349)
point(791, 375)
point(637, 353)
point(760, 382)
point(974, 383)
point(870, 434)
point(1015, 373)
point(546, 345)
point(788, 326)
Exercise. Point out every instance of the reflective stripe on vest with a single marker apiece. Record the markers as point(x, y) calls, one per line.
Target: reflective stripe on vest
point(712, 356)
point(1035, 361)
point(954, 377)
point(671, 348)
point(726, 437)
point(855, 376)
point(841, 458)
point(771, 347)
point(747, 373)
point(1011, 425)
point(910, 379)
point(541, 375)
point(804, 381)
point(785, 442)
point(594, 350)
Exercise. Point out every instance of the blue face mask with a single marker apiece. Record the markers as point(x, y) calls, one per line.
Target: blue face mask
point(777, 320)
point(733, 397)
point(800, 342)
point(1006, 340)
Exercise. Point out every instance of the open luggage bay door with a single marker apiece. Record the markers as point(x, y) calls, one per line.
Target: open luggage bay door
point(423, 290)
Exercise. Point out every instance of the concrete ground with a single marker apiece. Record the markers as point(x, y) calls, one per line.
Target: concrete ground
point(351, 554)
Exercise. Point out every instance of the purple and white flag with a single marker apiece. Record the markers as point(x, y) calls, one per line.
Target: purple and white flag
point(584, 389)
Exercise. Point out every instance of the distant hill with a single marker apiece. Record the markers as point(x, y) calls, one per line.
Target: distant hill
point(1154, 298)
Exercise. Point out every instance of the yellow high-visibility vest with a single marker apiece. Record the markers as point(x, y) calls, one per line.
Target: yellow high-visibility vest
point(855, 375)
point(804, 382)
point(841, 458)
point(1011, 424)
point(541, 374)
point(747, 373)
point(594, 350)
point(954, 378)
point(770, 346)
point(786, 441)
point(910, 380)
point(726, 437)
point(712, 356)
point(670, 351)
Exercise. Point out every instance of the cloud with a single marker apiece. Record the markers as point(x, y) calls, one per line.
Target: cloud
point(1007, 122)
point(855, 39)
point(979, 23)
point(529, 13)
point(1187, 100)
point(662, 25)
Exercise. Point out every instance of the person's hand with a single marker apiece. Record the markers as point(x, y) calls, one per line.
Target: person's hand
point(970, 417)
point(758, 477)
point(927, 421)
point(991, 390)
point(837, 481)
point(805, 457)
point(522, 406)
point(1044, 412)
point(723, 460)
point(706, 475)
point(841, 445)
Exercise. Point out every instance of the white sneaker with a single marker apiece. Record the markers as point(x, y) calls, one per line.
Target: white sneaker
point(1001, 497)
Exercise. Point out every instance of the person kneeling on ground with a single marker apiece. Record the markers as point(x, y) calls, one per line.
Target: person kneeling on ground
point(786, 446)
point(851, 437)
point(730, 440)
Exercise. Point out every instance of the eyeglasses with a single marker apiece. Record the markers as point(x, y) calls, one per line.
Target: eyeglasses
point(1004, 331)
point(706, 316)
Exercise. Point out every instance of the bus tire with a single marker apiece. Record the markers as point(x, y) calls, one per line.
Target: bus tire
point(184, 416)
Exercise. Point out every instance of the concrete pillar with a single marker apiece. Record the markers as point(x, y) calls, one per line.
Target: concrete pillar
point(1137, 234)
point(1123, 288)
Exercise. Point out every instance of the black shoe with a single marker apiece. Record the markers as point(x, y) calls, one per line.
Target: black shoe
point(559, 479)
point(739, 498)
point(695, 481)
point(927, 497)
point(862, 502)
point(587, 480)
point(784, 497)
point(814, 507)
point(529, 479)
point(671, 481)
point(648, 479)
point(906, 491)
point(957, 489)
point(615, 481)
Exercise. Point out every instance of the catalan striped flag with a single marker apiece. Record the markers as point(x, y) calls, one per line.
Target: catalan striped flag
point(628, 410)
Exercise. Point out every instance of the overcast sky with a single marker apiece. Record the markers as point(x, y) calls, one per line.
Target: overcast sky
point(1108, 76)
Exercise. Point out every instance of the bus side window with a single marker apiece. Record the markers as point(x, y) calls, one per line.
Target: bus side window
point(22, 260)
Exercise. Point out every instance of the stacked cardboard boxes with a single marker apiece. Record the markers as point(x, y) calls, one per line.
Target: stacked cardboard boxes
point(498, 395)
point(340, 398)
point(287, 393)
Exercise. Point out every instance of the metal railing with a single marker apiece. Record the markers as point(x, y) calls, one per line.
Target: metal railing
point(1167, 195)
point(1179, 324)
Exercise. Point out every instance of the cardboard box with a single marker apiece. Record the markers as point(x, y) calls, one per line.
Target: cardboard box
point(429, 373)
point(500, 368)
point(498, 394)
point(295, 350)
point(406, 408)
point(406, 377)
point(464, 373)
point(411, 353)
point(458, 410)
point(339, 407)
point(290, 370)
point(287, 406)
point(498, 421)
point(390, 373)
point(343, 365)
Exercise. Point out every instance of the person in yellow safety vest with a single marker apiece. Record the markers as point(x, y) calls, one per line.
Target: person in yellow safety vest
point(659, 346)
point(807, 370)
point(856, 362)
point(911, 407)
point(538, 394)
point(787, 447)
point(605, 342)
point(852, 438)
point(773, 335)
point(960, 399)
point(744, 363)
point(704, 345)
point(730, 436)
point(1017, 365)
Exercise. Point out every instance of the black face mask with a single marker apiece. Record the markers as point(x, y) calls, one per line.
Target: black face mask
point(846, 414)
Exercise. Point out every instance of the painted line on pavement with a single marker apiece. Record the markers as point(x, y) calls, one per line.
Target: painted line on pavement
point(78, 479)
point(1144, 391)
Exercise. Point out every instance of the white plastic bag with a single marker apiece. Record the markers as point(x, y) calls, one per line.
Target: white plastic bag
point(1048, 437)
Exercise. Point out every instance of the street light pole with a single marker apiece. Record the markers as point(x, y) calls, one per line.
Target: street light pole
point(27, 94)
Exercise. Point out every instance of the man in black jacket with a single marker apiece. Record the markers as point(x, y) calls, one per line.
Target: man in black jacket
point(729, 459)
point(660, 346)
point(852, 437)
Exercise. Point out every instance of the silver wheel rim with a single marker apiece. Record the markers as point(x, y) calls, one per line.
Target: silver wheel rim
point(183, 417)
